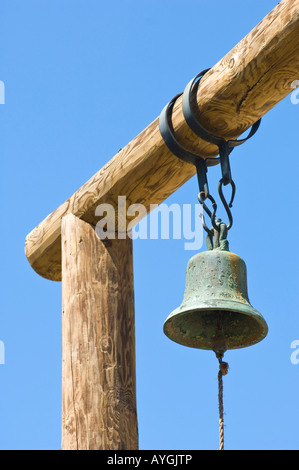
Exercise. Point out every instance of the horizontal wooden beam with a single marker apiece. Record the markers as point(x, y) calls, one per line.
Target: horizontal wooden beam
point(241, 88)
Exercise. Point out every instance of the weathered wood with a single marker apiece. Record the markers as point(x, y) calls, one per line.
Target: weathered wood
point(99, 385)
point(248, 82)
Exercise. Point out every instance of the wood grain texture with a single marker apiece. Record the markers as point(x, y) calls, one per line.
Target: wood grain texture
point(98, 334)
point(242, 87)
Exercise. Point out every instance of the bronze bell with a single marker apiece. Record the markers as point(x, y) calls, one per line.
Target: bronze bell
point(215, 313)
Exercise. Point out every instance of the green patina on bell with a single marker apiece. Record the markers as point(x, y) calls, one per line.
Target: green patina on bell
point(215, 313)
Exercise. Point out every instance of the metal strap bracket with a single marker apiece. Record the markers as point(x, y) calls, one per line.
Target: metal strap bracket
point(225, 148)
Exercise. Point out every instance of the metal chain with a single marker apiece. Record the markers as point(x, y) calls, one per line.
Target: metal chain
point(203, 196)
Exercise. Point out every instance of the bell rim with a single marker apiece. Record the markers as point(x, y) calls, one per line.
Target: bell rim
point(251, 311)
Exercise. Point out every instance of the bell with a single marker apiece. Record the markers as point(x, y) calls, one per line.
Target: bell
point(215, 313)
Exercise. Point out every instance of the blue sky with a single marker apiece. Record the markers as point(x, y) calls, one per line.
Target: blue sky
point(82, 78)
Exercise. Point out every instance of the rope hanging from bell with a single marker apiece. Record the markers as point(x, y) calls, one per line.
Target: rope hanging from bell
point(215, 313)
point(223, 370)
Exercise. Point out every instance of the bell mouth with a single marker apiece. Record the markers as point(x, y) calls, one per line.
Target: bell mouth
point(199, 327)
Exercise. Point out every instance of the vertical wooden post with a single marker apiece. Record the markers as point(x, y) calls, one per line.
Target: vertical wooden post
point(98, 336)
